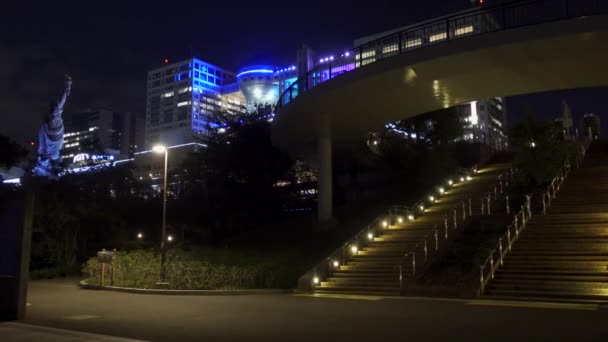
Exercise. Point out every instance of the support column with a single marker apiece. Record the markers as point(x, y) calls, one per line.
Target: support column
point(325, 182)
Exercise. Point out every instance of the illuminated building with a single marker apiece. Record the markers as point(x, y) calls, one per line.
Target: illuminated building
point(101, 131)
point(183, 98)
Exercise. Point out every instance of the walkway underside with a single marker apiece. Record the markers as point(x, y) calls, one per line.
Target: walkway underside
point(560, 55)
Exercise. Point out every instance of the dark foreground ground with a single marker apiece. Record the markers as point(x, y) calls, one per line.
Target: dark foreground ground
point(60, 304)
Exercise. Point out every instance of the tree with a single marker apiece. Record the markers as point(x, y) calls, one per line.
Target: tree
point(10, 152)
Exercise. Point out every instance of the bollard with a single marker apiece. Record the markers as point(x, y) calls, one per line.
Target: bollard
point(445, 223)
point(508, 207)
point(470, 208)
point(509, 236)
point(455, 220)
point(492, 266)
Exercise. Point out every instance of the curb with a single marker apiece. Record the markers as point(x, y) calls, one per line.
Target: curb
point(83, 285)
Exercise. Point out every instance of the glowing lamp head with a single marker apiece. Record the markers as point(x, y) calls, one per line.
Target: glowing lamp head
point(432, 198)
point(462, 179)
point(421, 208)
point(370, 236)
point(159, 148)
point(354, 249)
point(169, 238)
point(400, 219)
point(450, 182)
point(469, 178)
point(315, 280)
point(140, 235)
point(441, 191)
point(410, 217)
point(336, 263)
point(384, 224)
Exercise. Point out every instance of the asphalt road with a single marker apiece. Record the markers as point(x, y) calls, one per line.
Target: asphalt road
point(60, 304)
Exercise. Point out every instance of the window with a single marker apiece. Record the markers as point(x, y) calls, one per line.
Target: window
point(203, 77)
point(196, 74)
point(211, 79)
point(413, 43)
point(203, 68)
point(168, 80)
point(196, 66)
point(438, 36)
point(211, 71)
point(463, 30)
point(156, 84)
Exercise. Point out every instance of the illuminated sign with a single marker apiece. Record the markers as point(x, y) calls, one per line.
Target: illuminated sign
point(81, 157)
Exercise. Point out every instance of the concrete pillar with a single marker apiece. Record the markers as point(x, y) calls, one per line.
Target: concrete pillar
point(325, 182)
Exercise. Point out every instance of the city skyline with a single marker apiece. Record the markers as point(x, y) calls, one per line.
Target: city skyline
point(110, 64)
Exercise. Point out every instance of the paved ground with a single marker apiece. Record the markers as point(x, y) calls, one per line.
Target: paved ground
point(60, 304)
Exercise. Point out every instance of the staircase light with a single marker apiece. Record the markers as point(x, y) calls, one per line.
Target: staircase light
point(400, 219)
point(450, 182)
point(384, 224)
point(469, 178)
point(370, 236)
point(462, 179)
point(441, 191)
point(432, 198)
point(410, 217)
point(315, 280)
point(354, 249)
point(336, 263)
point(421, 208)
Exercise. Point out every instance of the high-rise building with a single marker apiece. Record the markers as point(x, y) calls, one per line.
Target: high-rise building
point(100, 131)
point(183, 98)
point(485, 122)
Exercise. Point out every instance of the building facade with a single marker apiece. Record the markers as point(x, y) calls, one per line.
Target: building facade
point(101, 131)
point(183, 98)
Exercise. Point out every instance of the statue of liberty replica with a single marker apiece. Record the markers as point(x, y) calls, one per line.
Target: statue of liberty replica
point(50, 137)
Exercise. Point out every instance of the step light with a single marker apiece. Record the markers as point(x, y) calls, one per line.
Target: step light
point(432, 198)
point(400, 219)
point(450, 182)
point(410, 217)
point(441, 191)
point(370, 236)
point(315, 280)
point(354, 249)
point(384, 224)
point(336, 263)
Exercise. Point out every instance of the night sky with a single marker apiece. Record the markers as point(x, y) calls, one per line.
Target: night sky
point(109, 47)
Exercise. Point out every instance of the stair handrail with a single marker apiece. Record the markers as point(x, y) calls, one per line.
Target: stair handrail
point(526, 214)
point(395, 214)
point(422, 245)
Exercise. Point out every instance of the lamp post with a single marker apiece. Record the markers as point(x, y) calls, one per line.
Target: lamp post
point(163, 243)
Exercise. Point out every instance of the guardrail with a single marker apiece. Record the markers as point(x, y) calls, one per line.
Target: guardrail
point(475, 22)
point(396, 214)
point(488, 269)
point(422, 253)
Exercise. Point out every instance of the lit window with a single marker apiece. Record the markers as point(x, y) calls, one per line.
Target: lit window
point(169, 94)
point(463, 30)
point(413, 42)
point(439, 36)
point(390, 48)
point(185, 103)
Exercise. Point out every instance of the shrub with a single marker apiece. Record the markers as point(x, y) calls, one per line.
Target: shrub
point(185, 270)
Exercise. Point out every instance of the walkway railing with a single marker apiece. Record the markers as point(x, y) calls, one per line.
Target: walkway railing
point(419, 257)
point(488, 269)
point(462, 25)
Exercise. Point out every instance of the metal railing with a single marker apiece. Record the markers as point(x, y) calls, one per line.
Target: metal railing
point(488, 269)
point(465, 24)
point(417, 258)
point(396, 214)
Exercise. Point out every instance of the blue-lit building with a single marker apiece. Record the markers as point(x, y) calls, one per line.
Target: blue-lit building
point(183, 98)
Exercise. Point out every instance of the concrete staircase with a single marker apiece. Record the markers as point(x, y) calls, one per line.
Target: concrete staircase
point(564, 255)
point(374, 270)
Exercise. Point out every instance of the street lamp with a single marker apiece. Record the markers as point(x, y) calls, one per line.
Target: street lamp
point(163, 244)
